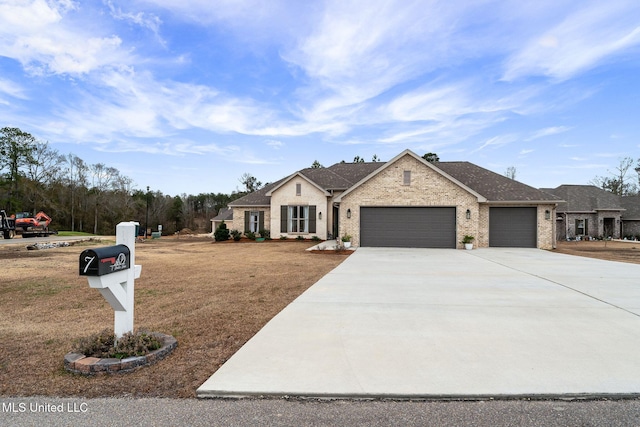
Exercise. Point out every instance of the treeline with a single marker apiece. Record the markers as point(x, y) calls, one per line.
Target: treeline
point(91, 198)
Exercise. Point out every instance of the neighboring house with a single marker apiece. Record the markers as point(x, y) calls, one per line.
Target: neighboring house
point(405, 202)
point(587, 211)
point(226, 215)
point(631, 217)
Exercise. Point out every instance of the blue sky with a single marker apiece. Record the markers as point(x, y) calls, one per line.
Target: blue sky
point(186, 96)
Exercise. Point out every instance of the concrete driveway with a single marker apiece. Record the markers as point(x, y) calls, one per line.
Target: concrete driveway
point(410, 323)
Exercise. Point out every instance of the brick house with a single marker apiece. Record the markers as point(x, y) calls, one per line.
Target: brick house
point(587, 212)
point(631, 217)
point(405, 202)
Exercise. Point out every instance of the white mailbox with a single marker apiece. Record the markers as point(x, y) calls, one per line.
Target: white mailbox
point(112, 270)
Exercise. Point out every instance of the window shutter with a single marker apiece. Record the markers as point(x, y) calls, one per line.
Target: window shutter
point(283, 218)
point(312, 219)
point(586, 228)
point(575, 230)
point(261, 220)
point(247, 217)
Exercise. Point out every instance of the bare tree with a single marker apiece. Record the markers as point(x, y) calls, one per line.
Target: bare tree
point(103, 179)
point(77, 180)
point(618, 183)
point(510, 172)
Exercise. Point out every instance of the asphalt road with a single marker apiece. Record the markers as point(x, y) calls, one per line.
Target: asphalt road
point(54, 238)
point(283, 412)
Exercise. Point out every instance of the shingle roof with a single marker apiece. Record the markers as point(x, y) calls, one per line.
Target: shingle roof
point(494, 187)
point(257, 198)
point(632, 206)
point(341, 176)
point(326, 178)
point(354, 172)
point(336, 177)
point(584, 198)
point(225, 214)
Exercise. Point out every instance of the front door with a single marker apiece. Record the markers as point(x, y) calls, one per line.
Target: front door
point(608, 227)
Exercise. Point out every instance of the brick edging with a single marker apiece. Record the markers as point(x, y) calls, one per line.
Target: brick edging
point(81, 364)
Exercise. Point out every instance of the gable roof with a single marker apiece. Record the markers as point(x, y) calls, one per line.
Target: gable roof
point(585, 198)
point(632, 206)
point(494, 187)
point(290, 177)
point(340, 176)
point(420, 159)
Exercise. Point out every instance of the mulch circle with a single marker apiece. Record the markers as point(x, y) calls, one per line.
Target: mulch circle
point(81, 364)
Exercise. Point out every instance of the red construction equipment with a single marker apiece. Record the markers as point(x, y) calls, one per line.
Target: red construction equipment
point(32, 225)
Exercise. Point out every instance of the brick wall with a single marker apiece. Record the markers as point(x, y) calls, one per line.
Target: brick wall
point(238, 217)
point(427, 188)
point(310, 195)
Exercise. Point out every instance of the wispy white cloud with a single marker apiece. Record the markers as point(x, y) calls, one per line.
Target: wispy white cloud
point(525, 151)
point(276, 145)
point(143, 19)
point(554, 130)
point(497, 141)
point(589, 36)
point(13, 89)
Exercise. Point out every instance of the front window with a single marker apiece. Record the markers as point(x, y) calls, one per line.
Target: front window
point(581, 227)
point(298, 219)
point(254, 221)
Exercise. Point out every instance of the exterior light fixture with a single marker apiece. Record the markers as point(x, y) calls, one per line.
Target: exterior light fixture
point(319, 215)
point(468, 214)
point(348, 213)
point(547, 214)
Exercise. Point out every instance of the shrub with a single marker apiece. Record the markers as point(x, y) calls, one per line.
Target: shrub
point(315, 238)
point(346, 238)
point(250, 235)
point(236, 235)
point(299, 238)
point(467, 239)
point(283, 237)
point(266, 234)
point(103, 345)
point(222, 233)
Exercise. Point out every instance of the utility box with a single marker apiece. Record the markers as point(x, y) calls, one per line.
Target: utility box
point(105, 260)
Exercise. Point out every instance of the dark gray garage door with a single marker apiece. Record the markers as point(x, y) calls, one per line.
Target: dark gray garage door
point(408, 227)
point(513, 227)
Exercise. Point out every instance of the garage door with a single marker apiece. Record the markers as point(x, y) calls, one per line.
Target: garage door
point(408, 227)
point(513, 227)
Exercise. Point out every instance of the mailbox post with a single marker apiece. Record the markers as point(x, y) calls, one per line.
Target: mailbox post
point(112, 270)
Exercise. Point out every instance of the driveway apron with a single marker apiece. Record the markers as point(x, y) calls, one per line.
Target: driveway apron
point(431, 323)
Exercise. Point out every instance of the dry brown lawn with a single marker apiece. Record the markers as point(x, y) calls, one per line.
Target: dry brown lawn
point(212, 297)
point(609, 250)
